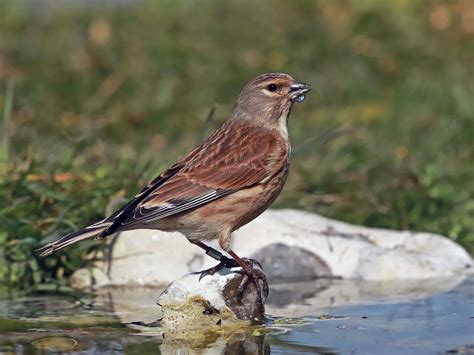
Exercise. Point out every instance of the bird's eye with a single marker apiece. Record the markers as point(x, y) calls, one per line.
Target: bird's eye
point(272, 87)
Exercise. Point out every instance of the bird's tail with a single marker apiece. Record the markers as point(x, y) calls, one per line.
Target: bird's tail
point(93, 231)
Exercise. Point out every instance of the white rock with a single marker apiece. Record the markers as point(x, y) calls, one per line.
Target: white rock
point(304, 240)
point(210, 302)
point(209, 288)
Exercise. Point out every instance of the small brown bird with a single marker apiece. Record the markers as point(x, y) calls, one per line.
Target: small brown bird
point(223, 184)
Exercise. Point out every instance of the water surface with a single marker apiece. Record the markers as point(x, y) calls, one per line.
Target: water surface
point(325, 316)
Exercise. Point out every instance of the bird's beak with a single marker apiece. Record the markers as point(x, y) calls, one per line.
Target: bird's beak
point(298, 91)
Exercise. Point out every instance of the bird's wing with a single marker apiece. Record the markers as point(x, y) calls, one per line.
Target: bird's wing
point(235, 159)
point(114, 220)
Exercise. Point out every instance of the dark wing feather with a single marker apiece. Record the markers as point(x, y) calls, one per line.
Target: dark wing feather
point(174, 206)
point(117, 216)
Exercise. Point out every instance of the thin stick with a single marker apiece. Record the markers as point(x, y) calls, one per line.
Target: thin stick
point(4, 138)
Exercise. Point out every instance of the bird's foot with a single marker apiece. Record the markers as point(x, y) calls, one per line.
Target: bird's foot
point(224, 263)
point(253, 273)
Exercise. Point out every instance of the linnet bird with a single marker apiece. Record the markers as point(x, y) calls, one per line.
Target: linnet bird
point(224, 183)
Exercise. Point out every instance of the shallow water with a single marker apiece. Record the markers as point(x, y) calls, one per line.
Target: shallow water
point(422, 317)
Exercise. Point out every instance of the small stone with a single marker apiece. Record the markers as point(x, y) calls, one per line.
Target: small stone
point(86, 278)
point(212, 302)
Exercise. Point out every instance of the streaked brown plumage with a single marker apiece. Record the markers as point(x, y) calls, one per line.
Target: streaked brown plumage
point(224, 183)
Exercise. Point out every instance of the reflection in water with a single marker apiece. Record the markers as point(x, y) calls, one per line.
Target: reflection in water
point(407, 316)
point(304, 299)
point(237, 343)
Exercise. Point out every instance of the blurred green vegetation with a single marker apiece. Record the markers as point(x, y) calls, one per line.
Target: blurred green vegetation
point(98, 98)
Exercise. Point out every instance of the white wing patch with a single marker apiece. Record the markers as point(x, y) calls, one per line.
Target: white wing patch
point(170, 208)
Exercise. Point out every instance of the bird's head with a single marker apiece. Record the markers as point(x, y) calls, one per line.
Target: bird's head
point(267, 99)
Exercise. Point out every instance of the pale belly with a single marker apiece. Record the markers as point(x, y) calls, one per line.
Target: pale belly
point(222, 217)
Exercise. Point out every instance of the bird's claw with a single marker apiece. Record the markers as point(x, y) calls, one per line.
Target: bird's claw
point(224, 263)
point(251, 273)
point(255, 275)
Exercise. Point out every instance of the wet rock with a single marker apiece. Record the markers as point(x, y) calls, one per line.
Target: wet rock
point(290, 244)
point(210, 303)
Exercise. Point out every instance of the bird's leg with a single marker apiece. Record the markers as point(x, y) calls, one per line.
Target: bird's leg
point(224, 262)
point(255, 275)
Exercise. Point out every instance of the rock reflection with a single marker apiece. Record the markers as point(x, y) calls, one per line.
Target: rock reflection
point(233, 343)
point(310, 298)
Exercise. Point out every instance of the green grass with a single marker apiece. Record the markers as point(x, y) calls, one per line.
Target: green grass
point(104, 97)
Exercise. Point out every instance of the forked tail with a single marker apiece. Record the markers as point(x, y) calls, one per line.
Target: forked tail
point(89, 232)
